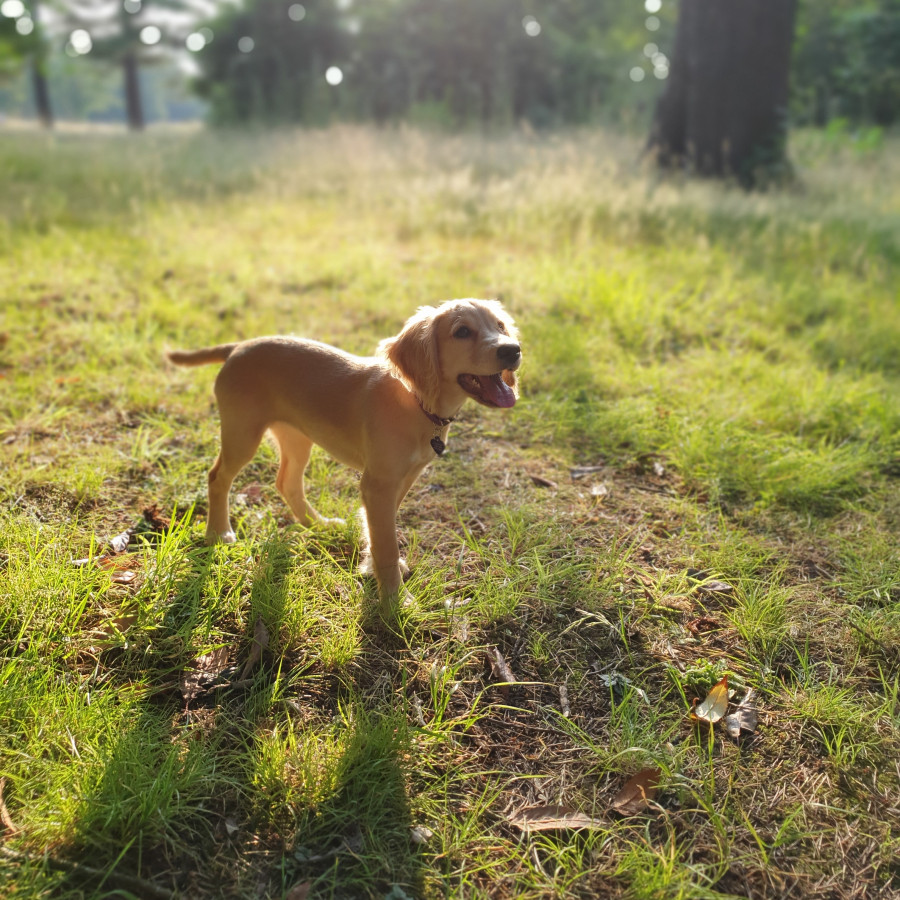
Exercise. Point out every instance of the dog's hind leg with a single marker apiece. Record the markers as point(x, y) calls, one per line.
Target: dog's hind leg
point(295, 448)
point(239, 442)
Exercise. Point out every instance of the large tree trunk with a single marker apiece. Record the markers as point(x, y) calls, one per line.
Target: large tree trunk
point(724, 111)
point(133, 107)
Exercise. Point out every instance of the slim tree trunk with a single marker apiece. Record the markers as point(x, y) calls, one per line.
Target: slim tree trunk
point(38, 71)
point(41, 94)
point(133, 107)
point(724, 111)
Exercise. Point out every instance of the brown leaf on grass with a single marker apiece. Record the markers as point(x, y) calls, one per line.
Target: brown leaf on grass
point(552, 818)
point(204, 671)
point(299, 891)
point(125, 577)
point(154, 518)
point(120, 624)
point(702, 624)
point(259, 643)
point(637, 793)
point(714, 706)
point(501, 670)
point(5, 817)
point(716, 587)
point(115, 563)
point(744, 719)
point(540, 481)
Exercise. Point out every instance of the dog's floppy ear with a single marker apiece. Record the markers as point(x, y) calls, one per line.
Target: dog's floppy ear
point(414, 356)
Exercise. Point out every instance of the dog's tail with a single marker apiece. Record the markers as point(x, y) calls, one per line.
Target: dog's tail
point(201, 357)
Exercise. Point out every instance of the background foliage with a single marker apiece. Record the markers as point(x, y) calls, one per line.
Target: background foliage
point(452, 62)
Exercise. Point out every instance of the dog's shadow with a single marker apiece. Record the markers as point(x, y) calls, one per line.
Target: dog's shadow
point(317, 762)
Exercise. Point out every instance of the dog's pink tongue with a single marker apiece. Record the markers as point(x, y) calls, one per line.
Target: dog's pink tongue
point(498, 391)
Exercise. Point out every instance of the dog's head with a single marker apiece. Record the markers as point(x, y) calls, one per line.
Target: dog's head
point(472, 344)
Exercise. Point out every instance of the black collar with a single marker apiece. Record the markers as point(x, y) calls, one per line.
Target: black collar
point(435, 420)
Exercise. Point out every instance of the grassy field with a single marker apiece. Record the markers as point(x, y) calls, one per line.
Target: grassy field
point(700, 479)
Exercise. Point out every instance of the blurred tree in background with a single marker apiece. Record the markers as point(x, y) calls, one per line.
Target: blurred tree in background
point(129, 33)
point(724, 111)
point(451, 63)
point(847, 62)
point(457, 62)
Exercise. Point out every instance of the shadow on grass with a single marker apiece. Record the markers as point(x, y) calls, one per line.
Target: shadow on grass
point(240, 790)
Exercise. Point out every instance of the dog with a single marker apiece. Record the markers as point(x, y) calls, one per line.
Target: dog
point(387, 416)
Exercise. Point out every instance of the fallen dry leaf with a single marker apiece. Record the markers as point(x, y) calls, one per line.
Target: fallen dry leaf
point(501, 670)
point(205, 670)
point(119, 542)
point(598, 492)
point(637, 793)
point(714, 706)
point(420, 834)
point(125, 577)
point(703, 624)
point(715, 587)
point(5, 817)
point(120, 624)
point(259, 643)
point(154, 518)
point(582, 471)
point(540, 481)
point(299, 891)
point(552, 818)
point(744, 719)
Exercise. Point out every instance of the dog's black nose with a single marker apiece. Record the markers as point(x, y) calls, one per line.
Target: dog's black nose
point(509, 354)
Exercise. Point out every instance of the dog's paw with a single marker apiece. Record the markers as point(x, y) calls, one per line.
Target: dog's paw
point(214, 537)
point(366, 566)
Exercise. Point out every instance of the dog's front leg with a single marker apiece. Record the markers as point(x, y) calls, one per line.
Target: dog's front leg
point(381, 499)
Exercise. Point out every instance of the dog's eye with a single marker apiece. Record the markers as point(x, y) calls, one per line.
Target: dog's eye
point(462, 332)
point(501, 328)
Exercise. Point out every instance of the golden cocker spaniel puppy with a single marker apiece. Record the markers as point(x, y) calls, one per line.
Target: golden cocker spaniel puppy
point(386, 416)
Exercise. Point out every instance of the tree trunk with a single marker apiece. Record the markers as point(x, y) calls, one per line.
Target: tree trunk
point(724, 111)
point(133, 108)
point(38, 71)
point(41, 94)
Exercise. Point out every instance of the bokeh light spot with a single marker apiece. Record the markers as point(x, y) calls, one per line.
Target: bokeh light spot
point(334, 76)
point(12, 9)
point(653, 6)
point(150, 35)
point(637, 74)
point(80, 42)
point(532, 26)
point(652, 23)
point(296, 12)
point(246, 44)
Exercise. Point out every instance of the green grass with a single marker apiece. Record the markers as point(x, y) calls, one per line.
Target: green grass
point(728, 362)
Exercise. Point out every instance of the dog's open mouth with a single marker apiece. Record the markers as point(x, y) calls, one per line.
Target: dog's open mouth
point(491, 390)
